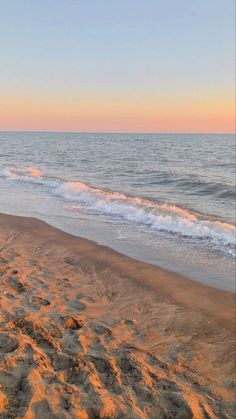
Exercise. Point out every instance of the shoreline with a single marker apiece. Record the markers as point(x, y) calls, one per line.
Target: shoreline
point(119, 255)
point(161, 266)
point(122, 322)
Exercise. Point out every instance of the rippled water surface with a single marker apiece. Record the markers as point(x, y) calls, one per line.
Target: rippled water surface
point(167, 199)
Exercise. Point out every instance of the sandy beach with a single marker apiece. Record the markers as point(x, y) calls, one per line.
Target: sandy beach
point(86, 332)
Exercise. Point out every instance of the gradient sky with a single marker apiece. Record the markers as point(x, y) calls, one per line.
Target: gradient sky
point(117, 65)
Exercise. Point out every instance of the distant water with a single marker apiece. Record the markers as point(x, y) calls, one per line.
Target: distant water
point(168, 199)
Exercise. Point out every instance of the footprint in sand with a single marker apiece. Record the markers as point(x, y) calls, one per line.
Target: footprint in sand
point(97, 345)
point(8, 343)
point(111, 295)
point(129, 323)
point(3, 266)
point(37, 333)
point(64, 283)
point(71, 344)
point(17, 285)
point(102, 330)
point(106, 372)
point(71, 323)
point(38, 302)
point(19, 313)
point(62, 361)
point(77, 304)
point(42, 409)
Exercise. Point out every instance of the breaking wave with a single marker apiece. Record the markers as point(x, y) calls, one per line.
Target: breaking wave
point(29, 174)
point(155, 216)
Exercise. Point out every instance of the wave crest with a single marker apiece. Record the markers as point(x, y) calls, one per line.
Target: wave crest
point(29, 174)
point(158, 217)
point(152, 215)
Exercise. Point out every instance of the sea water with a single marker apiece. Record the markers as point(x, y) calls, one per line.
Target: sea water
point(166, 199)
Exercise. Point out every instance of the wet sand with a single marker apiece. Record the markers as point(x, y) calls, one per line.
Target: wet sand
point(86, 332)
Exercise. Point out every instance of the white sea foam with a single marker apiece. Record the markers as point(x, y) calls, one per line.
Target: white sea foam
point(156, 216)
point(153, 215)
point(29, 174)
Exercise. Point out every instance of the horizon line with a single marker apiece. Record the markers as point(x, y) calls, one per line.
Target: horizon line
point(119, 132)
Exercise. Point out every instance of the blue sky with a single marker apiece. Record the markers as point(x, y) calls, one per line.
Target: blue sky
point(126, 48)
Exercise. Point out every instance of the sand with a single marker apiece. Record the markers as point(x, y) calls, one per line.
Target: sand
point(86, 332)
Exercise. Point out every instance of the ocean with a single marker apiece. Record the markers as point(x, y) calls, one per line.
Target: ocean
point(166, 199)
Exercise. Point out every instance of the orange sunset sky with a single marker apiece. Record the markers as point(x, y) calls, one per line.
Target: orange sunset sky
point(117, 66)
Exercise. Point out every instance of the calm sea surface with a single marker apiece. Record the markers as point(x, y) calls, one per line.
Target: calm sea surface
point(167, 199)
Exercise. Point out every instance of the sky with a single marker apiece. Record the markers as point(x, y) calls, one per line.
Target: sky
point(117, 65)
